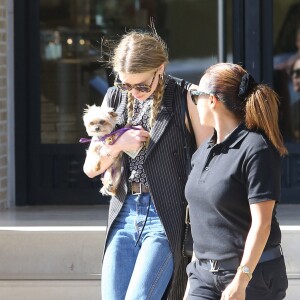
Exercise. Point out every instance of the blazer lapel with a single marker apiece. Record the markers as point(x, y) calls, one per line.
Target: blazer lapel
point(164, 116)
point(121, 110)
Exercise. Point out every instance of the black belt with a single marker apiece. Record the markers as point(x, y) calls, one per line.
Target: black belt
point(271, 254)
point(233, 263)
point(138, 188)
point(219, 265)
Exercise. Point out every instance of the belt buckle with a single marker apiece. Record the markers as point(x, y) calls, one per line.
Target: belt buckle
point(137, 193)
point(213, 266)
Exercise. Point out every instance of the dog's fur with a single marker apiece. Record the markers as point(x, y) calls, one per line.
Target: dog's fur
point(99, 122)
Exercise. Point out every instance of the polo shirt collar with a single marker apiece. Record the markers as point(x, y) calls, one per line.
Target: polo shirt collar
point(233, 139)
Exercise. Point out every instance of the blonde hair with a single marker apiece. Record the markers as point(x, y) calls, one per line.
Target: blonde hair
point(140, 52)
point(258, 108)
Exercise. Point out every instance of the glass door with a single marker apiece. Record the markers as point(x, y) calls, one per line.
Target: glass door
point(287, 85)
point(72, 74)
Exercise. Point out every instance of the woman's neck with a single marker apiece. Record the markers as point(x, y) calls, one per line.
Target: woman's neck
point(225, 128)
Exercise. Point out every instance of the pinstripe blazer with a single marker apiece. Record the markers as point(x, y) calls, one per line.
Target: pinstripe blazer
point(166, 173)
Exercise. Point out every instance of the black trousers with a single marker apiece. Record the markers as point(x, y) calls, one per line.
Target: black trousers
point(269, 281)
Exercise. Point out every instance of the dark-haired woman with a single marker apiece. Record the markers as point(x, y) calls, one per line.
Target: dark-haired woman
point(233, 190)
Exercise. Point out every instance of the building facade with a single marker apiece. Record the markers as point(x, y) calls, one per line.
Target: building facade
point(52, 64)
point(3, 106)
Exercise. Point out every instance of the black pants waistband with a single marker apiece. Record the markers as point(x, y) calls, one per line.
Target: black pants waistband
point(271, 254)
point(233, 263)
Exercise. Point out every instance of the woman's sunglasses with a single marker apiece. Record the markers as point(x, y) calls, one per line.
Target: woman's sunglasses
point(195, 94)
point(295, 73)
point(144, 88)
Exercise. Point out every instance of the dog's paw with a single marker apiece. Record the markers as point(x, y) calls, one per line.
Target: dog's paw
point(106, 192)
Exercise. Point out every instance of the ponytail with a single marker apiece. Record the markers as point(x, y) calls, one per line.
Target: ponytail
point(261, 112)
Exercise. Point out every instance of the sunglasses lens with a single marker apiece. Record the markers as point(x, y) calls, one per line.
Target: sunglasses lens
point(194, 96)
point(122, 86)
point(126, 87)
point(195, 99)
point(142, 88)
point(296, 73)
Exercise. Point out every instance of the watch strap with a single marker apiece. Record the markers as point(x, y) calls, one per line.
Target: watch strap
point(245, 270)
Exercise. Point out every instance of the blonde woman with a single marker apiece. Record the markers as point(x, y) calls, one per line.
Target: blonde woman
point(233, 190)
point(143, 257)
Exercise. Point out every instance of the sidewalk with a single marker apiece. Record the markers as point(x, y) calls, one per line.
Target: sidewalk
point(54, 252)
point(54, 216)
point(287, 214)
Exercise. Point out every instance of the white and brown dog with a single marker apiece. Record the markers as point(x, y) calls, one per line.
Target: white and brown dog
point(99, 122)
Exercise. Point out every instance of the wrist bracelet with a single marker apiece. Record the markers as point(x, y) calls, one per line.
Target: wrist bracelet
point(245, 270)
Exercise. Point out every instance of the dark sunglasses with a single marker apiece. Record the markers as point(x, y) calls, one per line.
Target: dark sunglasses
point(295, 73)
point(195, 94)
point(144, 88)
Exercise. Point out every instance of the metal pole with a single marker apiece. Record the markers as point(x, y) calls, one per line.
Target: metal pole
point(11, 170)
point(222, 55)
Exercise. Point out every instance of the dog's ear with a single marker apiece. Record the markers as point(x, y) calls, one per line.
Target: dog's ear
point(113, 114)
point(85, 110)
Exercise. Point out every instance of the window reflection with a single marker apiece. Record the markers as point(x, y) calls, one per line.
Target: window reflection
point(70, 49)
point(287, 53)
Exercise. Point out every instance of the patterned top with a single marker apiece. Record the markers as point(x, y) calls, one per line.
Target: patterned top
point(141, 116)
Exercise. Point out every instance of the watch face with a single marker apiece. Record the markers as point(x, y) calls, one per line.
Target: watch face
point(246, 269)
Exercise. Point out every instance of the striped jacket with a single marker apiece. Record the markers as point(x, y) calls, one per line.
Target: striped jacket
point(166, 174)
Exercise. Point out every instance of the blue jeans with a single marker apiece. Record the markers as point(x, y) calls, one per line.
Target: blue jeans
point(138, 263)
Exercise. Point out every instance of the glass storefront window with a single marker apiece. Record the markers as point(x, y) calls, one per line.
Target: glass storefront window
point(286, 62)
point(70, 48)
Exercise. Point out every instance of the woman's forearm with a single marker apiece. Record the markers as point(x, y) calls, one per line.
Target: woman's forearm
point(99, 158)
point(254, 246)
point(258, 234)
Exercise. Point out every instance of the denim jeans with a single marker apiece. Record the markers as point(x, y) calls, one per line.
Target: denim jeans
point(269, 282)
point(138, 263)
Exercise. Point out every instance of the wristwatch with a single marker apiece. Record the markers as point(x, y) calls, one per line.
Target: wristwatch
point(245, 270)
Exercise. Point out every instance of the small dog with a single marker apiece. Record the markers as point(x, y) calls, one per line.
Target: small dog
point(98, 123)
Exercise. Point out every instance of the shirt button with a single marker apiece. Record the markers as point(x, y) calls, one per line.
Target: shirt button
point(206, 168)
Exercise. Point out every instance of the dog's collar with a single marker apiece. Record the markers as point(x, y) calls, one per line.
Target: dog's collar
point(110, 138)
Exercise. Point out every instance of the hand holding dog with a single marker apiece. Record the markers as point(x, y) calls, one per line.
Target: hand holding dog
point(132, 140)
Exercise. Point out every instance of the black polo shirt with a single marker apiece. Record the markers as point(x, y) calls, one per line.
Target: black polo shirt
point(225, 180)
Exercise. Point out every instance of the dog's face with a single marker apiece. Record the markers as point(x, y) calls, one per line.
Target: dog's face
point(99, 121)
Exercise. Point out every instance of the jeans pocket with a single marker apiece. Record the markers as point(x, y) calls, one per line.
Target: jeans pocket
point(190, 268)
point(274, 273)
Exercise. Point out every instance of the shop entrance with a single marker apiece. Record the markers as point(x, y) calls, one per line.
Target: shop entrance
point(59, 45)
point(59, 69)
